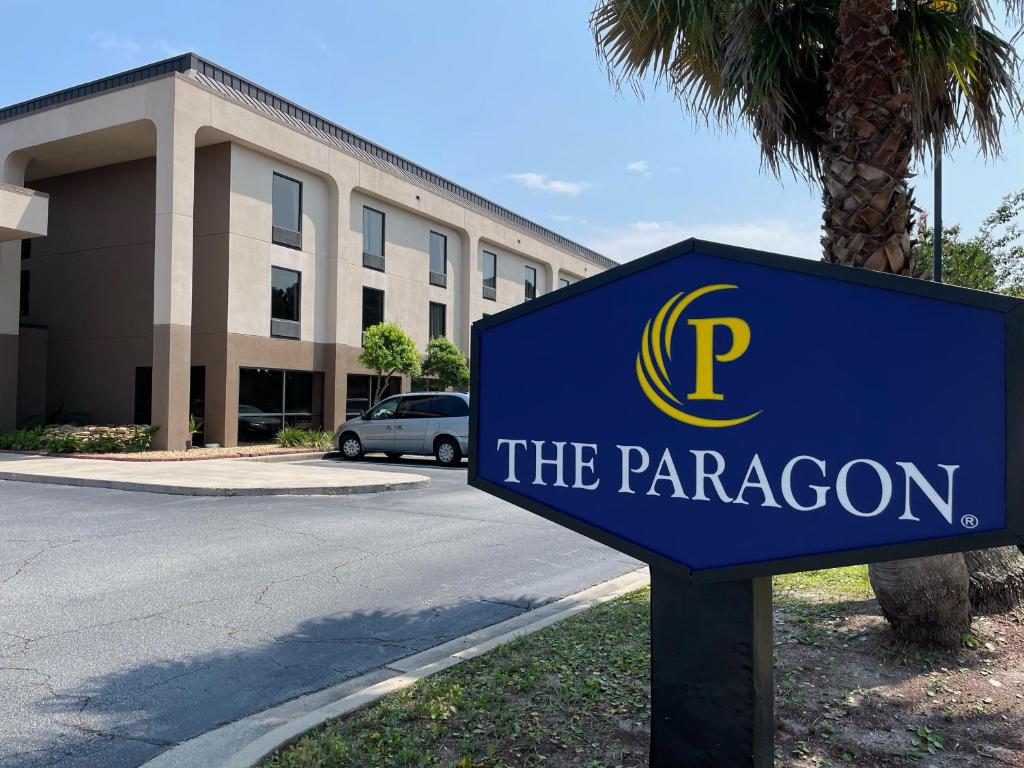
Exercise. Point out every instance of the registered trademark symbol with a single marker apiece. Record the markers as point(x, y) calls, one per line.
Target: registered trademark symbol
point(969, 521)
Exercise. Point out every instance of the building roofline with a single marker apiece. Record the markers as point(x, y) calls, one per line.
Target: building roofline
point(191, 61)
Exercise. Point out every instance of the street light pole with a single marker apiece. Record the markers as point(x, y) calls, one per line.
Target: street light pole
point(937, 225)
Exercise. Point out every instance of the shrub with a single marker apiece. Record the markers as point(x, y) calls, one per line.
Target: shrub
point(447, 364)
point(293, 437)
point(22, 440)
point(66, 438)
point(63, 442)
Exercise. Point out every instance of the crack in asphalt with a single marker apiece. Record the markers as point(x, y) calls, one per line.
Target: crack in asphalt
point(27, 561)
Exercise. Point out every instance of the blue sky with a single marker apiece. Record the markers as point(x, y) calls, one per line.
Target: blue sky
point(506, 98)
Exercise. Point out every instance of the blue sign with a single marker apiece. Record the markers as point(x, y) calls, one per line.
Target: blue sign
point(740, 413)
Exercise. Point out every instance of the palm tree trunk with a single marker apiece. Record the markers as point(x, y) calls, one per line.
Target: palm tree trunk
point(997, 579)
point(866, 160)
point(925, 599)
point(867, 201)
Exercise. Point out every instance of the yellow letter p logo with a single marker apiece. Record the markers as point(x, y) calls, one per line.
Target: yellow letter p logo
point(652, 369)
point(704, 388)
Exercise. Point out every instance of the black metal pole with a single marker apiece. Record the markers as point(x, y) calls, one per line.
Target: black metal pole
point(937, 226)
point(712, 695)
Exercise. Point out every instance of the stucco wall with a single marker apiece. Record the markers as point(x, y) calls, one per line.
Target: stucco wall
point(92, 286)
point(253, 253)
point(510, 282)
point(406, 276)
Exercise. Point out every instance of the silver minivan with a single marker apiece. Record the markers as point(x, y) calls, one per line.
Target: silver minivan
point(423, 423)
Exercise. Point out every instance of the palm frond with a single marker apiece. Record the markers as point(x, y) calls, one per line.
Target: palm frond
point(962, 75)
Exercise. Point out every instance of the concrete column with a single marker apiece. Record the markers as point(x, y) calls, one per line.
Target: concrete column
point(10, 296)
point(172, 279)
point(551, 270)
point(472, 285)
point(340, 312)
point(12, 170)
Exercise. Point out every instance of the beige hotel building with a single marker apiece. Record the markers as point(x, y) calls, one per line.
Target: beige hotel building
point(176, 240)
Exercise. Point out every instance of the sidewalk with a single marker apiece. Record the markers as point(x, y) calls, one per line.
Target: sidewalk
point(214, 477)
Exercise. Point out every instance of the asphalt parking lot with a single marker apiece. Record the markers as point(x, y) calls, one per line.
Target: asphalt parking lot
point(132, 621)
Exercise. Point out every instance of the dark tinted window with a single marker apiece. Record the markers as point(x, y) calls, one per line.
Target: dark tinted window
point(416, 407)
point(490, 270)
point(284, 294)
point(287, 211)
point(270, 398)
point(373, 307)
point(26, 284)
point(438, 320)
point(260, 390)
point(563, 282)
point(452, 406)
point(363, 387)
point(26, 249)
point(438, 253)
point(432, 407)
point(373, 232)
point(530, 282)
point(143, 395)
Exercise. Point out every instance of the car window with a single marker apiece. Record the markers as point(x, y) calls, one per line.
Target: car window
point(385, 410)
point(452, 406)
point(416, 407)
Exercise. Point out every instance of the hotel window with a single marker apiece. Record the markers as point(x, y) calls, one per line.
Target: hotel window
point(26, 281)
point(438, 324)
point(26, 248)
point(373, 238)
point(285, 303)
point(438, 260)
point(287, 205)
point(373, 307)
point(530, 282)
point(490, 276)
point(563, 282)
point(270, 399)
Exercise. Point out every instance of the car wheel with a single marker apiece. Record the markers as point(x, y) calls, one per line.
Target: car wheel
point(393, 455)
point(350, 445)
point(447, 452)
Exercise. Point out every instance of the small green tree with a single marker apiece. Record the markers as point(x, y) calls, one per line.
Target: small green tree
point(387, 351)
point(991, 260)
point(446, 363)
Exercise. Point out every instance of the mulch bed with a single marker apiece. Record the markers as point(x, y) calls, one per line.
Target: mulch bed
point(194, 454)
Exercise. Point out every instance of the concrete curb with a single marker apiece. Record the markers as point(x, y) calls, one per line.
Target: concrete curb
point(351, 695)
point(186, 490)
point(127, 458)
point(274, 458)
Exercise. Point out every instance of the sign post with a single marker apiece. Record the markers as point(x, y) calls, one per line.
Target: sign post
point(711, 672)
point(726, 414)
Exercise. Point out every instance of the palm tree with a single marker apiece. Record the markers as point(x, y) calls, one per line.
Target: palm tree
point(842, 92)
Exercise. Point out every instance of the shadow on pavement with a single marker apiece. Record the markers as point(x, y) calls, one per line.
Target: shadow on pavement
point(127, 718)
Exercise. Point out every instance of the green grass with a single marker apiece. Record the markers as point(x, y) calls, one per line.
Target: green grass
point(834, 585)
point(575, 695)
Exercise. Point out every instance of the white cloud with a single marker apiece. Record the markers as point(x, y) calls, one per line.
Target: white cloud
point(555, 186)
point(111, 41)
point(167, 49)
point(639, 166)
point(130, 48)
point(321, 46)
point(642, 237)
